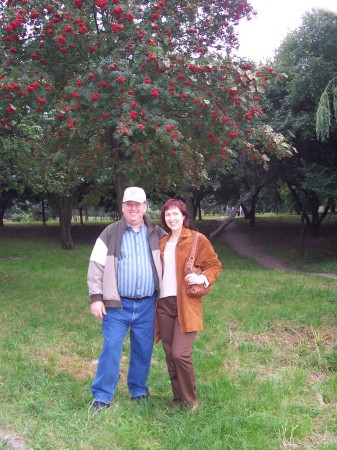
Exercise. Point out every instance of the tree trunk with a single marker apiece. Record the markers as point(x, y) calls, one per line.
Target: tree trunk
point(2, 215)
point(302, 236)
point(65, 214)
point(6, 201)
point(43, 207)
point(299, 205)
point(318, 219)
point(315, 219)
point(232, 215)
point(329, 205)
point(191, 211)
point(244, 208)
point(81, 215)
point(315, 224)
point(252, 213)
point(120, 185)
point(199, 208)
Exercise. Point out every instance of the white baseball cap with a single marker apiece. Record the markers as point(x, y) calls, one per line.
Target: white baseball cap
point(134, 194)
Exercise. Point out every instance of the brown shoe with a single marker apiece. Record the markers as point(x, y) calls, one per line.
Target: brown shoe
point(191, 407)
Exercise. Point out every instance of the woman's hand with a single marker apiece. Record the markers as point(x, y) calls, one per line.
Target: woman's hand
point(193, 278)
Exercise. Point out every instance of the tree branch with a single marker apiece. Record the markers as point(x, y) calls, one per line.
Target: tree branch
point(232, 215)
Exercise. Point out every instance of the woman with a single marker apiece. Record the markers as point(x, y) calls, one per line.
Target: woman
point(179, 316)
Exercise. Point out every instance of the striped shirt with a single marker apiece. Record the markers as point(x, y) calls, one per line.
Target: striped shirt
point(135, 272)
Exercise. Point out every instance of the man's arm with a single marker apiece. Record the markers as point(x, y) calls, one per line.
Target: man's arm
point(95, 278)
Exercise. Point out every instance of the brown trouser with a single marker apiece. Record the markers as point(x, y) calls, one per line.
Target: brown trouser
point(178, 350)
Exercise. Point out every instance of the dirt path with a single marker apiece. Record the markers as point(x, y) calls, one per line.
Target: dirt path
point(12, 441)
point(242, 244)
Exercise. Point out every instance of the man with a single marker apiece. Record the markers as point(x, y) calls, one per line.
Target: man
point(123, 280)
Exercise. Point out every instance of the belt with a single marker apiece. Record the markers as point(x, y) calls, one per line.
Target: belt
point(136, 299)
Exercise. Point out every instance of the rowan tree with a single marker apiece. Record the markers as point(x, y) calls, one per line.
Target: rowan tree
point(139, 91)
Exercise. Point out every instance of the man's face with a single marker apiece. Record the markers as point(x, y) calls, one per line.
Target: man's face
point(133, 212)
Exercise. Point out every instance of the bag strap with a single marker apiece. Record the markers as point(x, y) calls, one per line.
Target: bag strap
point(194, 247)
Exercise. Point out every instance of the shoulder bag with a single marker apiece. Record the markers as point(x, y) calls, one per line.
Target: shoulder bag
point(195, 290)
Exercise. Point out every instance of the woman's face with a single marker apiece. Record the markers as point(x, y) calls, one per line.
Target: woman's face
point(174, 219)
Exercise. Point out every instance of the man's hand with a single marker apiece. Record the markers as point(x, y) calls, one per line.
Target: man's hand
point(98, 309)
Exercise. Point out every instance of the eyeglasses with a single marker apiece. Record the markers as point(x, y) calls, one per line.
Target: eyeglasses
point(134, 204)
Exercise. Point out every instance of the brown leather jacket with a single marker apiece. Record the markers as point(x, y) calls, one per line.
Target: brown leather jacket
point(189, 308)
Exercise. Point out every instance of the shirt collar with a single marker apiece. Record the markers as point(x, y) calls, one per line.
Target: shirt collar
point(129, 227)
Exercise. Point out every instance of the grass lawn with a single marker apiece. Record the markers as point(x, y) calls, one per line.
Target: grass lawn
point(266, 363)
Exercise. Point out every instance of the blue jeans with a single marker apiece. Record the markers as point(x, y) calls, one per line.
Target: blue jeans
point(138, 315)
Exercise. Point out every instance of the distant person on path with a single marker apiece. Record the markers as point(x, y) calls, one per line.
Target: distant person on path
point(123, 283)
point(179, 316)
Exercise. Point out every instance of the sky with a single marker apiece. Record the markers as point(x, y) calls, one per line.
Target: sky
point(260, 36)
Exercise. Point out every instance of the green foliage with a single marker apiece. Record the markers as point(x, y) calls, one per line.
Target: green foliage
point(16, 155)
point(130, 91)
point(321, 179)
point(308, 59)
point(323, 115)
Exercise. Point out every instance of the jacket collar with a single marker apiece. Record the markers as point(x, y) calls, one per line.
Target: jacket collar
point(185, 232)
point(148, 223)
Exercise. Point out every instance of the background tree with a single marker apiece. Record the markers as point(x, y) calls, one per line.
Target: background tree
point(16, 170)
point(309, 59)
